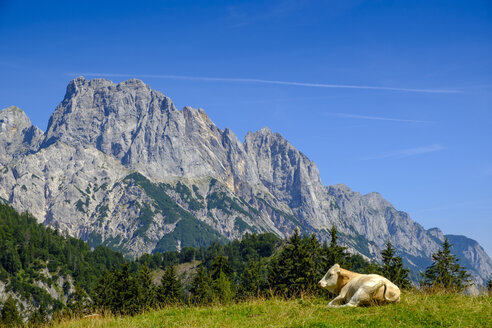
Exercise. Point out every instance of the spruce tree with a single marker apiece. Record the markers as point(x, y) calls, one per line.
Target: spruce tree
point(170, 291)
point(201, 292)
point(221, 282)
point(445, 271)
point(220, 265)
point(146, 289)
point(335, 253)
point(104, 292)
point(313, 263)
point(489, 285)
point(39, 317)
point(119, 292)
point(294, 270)
point(79, 301)
point(10, 315)
point(251, 280)
point(222, 289)
point(393, 269)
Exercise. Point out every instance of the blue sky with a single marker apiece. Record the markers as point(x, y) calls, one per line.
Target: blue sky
point(387, 96)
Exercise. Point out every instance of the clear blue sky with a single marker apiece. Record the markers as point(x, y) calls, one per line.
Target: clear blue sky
point(421, 137)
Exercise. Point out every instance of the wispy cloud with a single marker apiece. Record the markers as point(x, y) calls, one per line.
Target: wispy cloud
point(410, 152)
point(375, 118)
point(261, 81)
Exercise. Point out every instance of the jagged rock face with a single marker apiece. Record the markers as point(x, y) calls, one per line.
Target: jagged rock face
point(119, 165)
point(17, 135)
point(375, 218)
point(291, 177)
point(143, 129)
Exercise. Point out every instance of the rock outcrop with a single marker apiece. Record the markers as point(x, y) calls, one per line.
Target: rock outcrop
point(18, 136)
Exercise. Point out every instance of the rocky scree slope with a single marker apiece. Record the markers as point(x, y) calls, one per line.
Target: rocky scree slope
point(119, 165)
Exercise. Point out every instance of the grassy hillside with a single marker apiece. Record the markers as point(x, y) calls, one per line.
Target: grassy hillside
point(414, 310)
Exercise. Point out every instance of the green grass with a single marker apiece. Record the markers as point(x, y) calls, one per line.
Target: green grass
point(414, 310)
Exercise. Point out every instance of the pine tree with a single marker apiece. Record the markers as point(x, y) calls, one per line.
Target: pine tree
point(313, 263)
point(170, 291)
point(79, 301)
point(201, 292)
point(221, 282)
point(10, 315)
point(445, 272)
point(393, 269)
point(146, 289)
point(335, 253)
point(222, 289)
point(489, 285)
point(119, 292)
point(104, 292)
point(39, 317)
point(294, 271)
point(251, 281)
point(220, 265)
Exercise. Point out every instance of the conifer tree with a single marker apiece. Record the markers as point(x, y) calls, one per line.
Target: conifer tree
point(220, 265)
point(294, 270)
point(445, 271)
point(335, 253)
point(222, 289)
point(104, 292)
point(78, 302)
point(393, 269)
point(146, 289)
point(39, 317)
point(170, 291)
point(10, 315)
point(489, 285)
point(251, 282)
point(201, 292)
point(119, 292)
point(313, 262)
point(221, 282)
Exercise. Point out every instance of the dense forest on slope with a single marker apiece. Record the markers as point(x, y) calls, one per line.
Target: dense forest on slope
point(42, 266)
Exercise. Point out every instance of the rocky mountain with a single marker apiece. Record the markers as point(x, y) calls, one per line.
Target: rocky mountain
point(119, 165)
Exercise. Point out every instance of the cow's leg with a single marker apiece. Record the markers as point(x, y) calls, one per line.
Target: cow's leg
point(337, 301)
point(360, 296)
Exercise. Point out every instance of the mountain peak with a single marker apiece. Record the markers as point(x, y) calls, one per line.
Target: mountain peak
point(13, 116)
point(80, 83)
point(97, 110)
point(265, 130)
point(17, 134)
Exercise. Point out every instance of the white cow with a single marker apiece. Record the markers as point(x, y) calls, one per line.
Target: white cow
point(355, 289)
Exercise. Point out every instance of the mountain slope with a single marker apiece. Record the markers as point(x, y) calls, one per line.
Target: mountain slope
point(119, 165)
point(40, 268)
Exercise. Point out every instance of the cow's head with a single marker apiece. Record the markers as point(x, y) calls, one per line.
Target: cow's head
point(331, 280)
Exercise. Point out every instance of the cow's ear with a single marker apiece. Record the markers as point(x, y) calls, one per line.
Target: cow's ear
point(337, 268)
point(343, 278)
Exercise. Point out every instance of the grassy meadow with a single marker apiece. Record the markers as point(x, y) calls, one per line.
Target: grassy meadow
point(416, 309)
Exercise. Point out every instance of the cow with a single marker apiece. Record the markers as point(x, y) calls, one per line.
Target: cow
point(354, 289)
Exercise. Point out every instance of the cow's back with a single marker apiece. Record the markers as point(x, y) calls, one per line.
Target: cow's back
point(368, 281)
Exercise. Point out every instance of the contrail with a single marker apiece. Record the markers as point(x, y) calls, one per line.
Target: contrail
point(377, 118)
point(410, 152)
point(247, 80)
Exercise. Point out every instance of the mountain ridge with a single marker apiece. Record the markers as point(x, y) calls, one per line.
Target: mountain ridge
point(79, 176)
